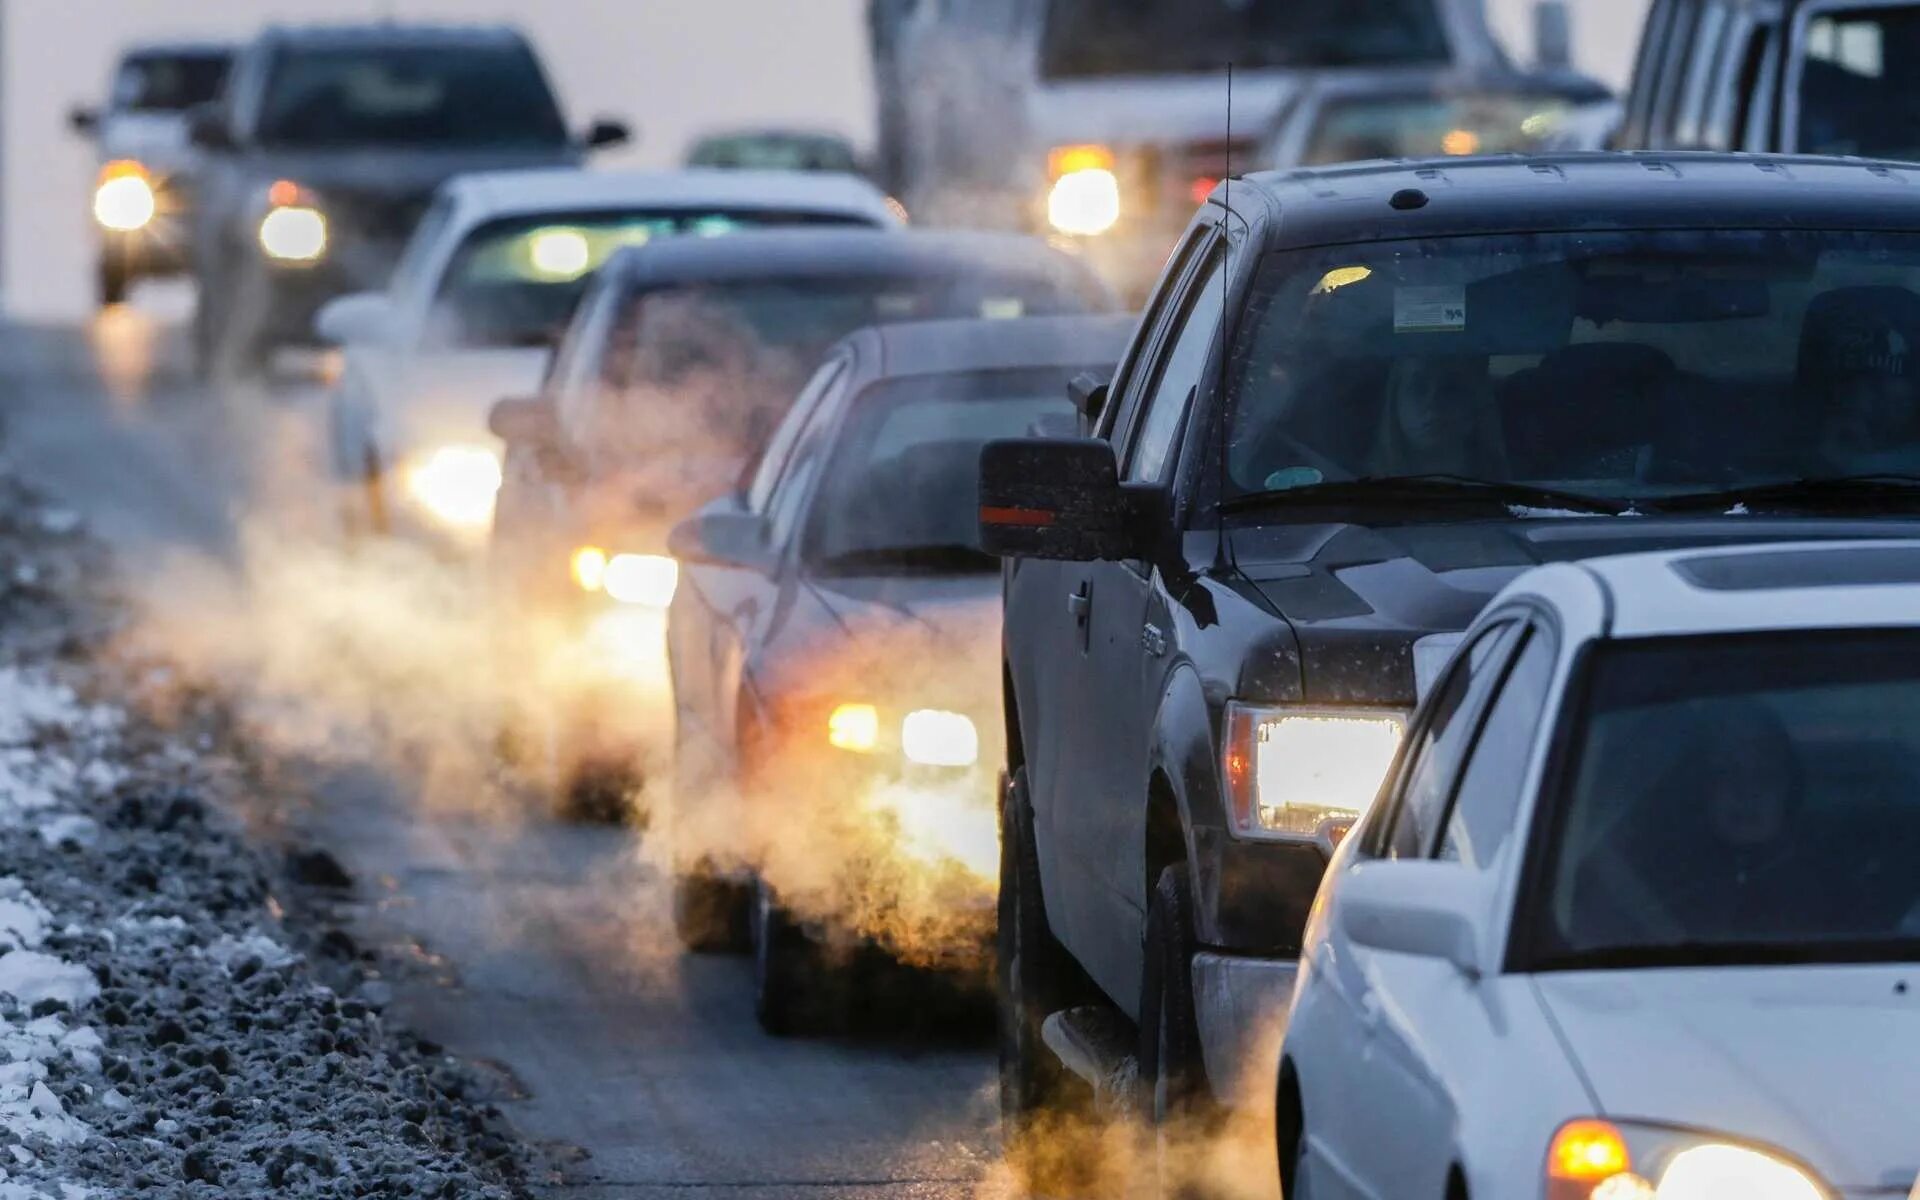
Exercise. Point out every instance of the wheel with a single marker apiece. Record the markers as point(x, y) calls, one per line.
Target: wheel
point(599, 791)
point(709, 912)
point(795, 988)
point(1043, 1106)
point(1179, 1106)
point(1290, 1138)
point(111, 281)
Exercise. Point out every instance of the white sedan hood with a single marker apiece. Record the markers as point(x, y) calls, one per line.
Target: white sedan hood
point(1821, 1062)
point(443, 397)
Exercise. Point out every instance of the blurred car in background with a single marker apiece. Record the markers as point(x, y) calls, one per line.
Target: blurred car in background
point(1069, 118)
point(775, 150)
point(1351, 117)
point(325, 152)
point(142, 200)
point(484, 291)
point(1776, 76)
point(680, 359)
point(834, 648)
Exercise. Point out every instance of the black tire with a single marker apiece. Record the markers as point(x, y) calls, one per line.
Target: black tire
point(1042, 1104)
point(795, 987)
point(1290, 1137)
point(112, 281)
point(1176, 1100)
point(709, 912)
point(602, 791)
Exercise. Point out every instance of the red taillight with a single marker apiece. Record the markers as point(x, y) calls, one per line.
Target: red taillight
point(1202, 188)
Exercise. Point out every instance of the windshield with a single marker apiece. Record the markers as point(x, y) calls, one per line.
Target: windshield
point(1740, 799)
point(710, 369)
point(1150, 37)
point(1627, 365)
point(168, 82)
point(1358, 128)
point(1856, 95)
point(447, 95)
point(775, 152)
point(516, 282)
point(902, 490)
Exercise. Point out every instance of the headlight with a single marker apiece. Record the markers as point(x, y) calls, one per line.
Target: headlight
point(457, 486)
point(1599, 1160)
point(1298, 774)
point(934, 738)
point(588, 566)
point(648, 579)
point(854, 727)
point(559, 254)
point(293, 230)
point(1085, 200)
point(124, 200)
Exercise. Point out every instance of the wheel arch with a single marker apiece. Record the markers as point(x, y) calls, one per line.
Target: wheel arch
point(1179, 778)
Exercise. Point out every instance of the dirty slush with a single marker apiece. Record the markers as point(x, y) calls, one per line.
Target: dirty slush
point(174, 1018)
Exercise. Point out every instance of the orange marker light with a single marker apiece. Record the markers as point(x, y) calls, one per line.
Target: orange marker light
point(1065, 160)
point(1587, 1152)
point(283, 192)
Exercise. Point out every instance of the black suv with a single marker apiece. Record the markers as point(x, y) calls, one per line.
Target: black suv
point(326, 148)
point(1792, 76)
point(1223, 601)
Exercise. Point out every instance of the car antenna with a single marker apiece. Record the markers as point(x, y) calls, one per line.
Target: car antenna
point(1221, 559)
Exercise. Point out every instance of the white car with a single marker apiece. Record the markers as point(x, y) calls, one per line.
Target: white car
point(486, 283)
point(1637, 913)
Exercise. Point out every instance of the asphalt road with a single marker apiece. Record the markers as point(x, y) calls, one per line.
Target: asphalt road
point(542, 947)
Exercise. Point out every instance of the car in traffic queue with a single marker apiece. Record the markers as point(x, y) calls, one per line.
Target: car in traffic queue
point(482, 293)
point(325, 151)
point(833, 648)
point(680, 359)
point(1636, 915)
point(1774, 76)
point(142, 199)
point(1431, 376)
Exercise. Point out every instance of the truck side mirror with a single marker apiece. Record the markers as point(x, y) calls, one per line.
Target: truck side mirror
point(84, 121)
point(724, 535)
point(526, 421)
point(1062, 498)
point(606, 132)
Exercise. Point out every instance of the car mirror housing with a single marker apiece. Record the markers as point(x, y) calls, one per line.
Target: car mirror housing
point(523, 420)
point(361, 317)
point(83, 120)
point(1061, 498)
point(605, 132)
point(1411, 907)
point(1089, 396)
point(722, 534)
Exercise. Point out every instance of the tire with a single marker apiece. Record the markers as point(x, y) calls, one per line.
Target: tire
point(1176, 1101)
point(1042, 1104)
point(112, 281)
point(1290, 1141)
point(796, 990)
point(710, 913)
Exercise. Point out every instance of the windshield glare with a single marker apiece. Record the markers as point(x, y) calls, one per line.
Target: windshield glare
point(168, 83)
point(1740, 799)
point(1628, 365)
point(905, 475)
point(1089, 38)
point(1422, 126)
point(410, 95)
point(1855, 94)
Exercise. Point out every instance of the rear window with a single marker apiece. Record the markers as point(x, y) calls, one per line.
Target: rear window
point(1858, 90)
point(447, 95)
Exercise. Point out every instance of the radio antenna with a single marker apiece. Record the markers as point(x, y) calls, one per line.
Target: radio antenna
point(1220, 556)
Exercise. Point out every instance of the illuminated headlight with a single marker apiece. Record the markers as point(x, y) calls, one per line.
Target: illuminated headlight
point(1085, 203)
point(124, 200)
point(294, 233)
point(1297, 774)
point(457, 486)
point(559, 254)
point(648, 579)
point(854, 727)
point(1599, 1160)
point(934, 738)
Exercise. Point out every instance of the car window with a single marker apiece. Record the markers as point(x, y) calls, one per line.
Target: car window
point(409, 95)
point(1128, 381)
point(790, 495)
point(1734, 81)
point(1673, 74)
point(1434, 757)
point(410, 273)
point(1484, 805)
point(1702, 63)
point(1178, 375)
point(1856, 91)
point(573, 378)
point(1645, 70)
point(780, 447)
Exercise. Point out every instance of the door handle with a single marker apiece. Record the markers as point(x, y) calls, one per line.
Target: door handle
point(1080, 603)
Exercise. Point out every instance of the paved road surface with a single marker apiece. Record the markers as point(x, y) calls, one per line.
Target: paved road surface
point(543, 946)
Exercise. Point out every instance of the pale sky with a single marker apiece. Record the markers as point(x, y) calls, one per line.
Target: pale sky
point(672, 68)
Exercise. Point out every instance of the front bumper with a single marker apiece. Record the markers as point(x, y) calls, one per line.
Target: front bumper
point(1241, 1004)
point(288, 296)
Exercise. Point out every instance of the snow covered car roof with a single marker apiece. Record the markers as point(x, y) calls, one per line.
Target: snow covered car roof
point(489, 194)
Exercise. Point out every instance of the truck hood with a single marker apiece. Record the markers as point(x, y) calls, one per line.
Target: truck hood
point(1159, 109)
point(157, 140)
point(1816, 1061)
point(1357, 594)
point(397, 173)
point(443, 397)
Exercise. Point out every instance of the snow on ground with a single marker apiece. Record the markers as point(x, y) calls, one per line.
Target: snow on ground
point(160, 1031)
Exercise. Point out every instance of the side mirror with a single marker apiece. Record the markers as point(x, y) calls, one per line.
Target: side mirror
point(1062, 498)
point(525, 421)
point(605, 132)
point(360, 317)
point(1552, 35)
point(84, 121)
point(1426, 908)
point(207, 128)
point(722, 534)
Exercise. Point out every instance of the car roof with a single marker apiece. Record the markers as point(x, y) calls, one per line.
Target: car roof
point(391, 33)
point(182, 49)
point(490, 194)
point(839, 253)
point(1778, 587)
point(1447, 197)
point(917, 348)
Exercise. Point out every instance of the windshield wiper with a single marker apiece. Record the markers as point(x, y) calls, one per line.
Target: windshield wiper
point(955, 558)
point(1429, 489)
point(1840, 491)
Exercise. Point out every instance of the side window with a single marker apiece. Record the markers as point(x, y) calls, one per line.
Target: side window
point(1702, 67)
point(576, 367)
point(1733, 84)
point(780, 446)
point(790, 496)
point(1755, 121)
point(1673, 74)
point(1489, 793)
point(1434, 758)
point(1128, 381)
point(1646, 71)
point(1184, 358)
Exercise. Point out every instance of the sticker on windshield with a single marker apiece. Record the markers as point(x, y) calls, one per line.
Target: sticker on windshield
point(1429, 309)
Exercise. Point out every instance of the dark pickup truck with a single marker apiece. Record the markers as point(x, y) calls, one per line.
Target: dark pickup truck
point(1223, 598)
